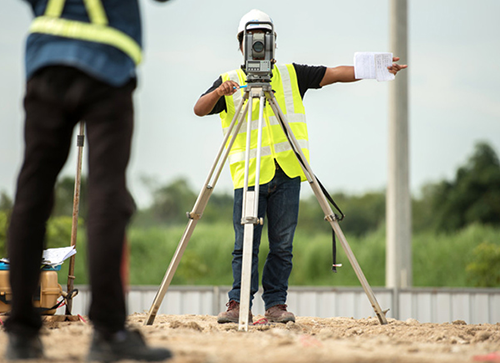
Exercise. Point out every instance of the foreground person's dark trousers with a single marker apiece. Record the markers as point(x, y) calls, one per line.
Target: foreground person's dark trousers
point(57, 98)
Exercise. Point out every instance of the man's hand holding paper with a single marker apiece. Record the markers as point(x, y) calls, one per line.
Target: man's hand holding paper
point(376, 65)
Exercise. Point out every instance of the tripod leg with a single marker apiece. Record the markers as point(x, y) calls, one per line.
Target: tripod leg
point(357, 269)
point(197, 212)
point(167, 279)
point(329, 215)
point(246, 266)
point(250, 211)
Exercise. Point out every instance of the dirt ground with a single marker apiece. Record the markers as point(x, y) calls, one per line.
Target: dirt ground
point(199, 339)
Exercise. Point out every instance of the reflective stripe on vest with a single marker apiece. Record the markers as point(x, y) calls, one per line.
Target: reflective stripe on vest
point(96, 31)
point(275, 145)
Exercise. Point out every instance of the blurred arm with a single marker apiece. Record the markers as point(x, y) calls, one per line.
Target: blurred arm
point(206, 103)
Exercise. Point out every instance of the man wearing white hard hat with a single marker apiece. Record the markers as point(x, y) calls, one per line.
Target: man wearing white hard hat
point(280, 172)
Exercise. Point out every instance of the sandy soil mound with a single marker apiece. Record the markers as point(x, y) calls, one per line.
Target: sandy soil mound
point(198, 338)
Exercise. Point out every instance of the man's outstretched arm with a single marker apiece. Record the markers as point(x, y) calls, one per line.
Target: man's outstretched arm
point(346, 73)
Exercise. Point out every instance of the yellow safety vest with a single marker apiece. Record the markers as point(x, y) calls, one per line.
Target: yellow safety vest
point(275, 145)
point(97, 30)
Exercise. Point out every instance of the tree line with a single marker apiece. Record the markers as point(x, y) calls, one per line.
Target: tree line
point(472, 196)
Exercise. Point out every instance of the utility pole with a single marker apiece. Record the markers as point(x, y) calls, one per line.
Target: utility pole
point(398, 199)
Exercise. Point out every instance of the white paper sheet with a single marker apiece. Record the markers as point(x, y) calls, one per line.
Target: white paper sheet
point(373, 65)
point(56, 256)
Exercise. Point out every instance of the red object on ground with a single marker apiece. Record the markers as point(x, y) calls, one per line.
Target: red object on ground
point(309, 341)
point(491, 357)
point(262, 321)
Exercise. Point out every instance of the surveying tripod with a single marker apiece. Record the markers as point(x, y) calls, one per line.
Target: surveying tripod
point(264, 92)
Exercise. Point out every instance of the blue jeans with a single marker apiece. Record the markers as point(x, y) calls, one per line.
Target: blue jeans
point(279, 199)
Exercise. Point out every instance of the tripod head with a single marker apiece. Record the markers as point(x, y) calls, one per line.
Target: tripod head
point(259, 51)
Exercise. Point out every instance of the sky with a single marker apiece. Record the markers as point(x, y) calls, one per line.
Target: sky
point(454, 88)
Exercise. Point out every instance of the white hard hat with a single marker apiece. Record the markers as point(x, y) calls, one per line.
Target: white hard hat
point(254, 15)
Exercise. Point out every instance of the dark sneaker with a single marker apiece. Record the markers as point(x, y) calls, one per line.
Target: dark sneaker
point(23, 347)
point(278, 314)
point(232, 315)
point(124, 344)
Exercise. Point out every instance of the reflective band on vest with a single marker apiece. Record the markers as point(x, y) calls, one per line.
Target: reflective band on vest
point(96, 31)
point(275, 145)
point(96, 12)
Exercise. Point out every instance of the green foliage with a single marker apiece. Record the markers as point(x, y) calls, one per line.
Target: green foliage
point(473, 197)
point(456, 225)
point(58, 232)
point(313, 259)
point(422, 212)
point(483, 271)
point(460, 259)
point(193, 267)
point(59, 235)
point(219, 209)
point(363, 213)
point(80, 263)
point(206, 261)
point(5, 202)
point(171, 202)
point(5, 210)
point(441, 259)
point(64, 196)
point(4, 220)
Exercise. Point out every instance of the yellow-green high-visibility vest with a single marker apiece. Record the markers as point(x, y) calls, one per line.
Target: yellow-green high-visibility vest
point(275, 145)
point(97, 30)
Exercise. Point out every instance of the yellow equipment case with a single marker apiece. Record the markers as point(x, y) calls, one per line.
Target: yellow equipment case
point(46, 297)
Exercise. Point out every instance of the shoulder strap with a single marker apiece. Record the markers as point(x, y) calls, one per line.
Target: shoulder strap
point(95, 10)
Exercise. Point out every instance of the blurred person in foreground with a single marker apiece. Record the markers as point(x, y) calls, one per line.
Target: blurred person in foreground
point(280, 171)
point(81, 58)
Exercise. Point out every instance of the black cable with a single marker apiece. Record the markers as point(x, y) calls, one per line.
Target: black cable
point(325, 193)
